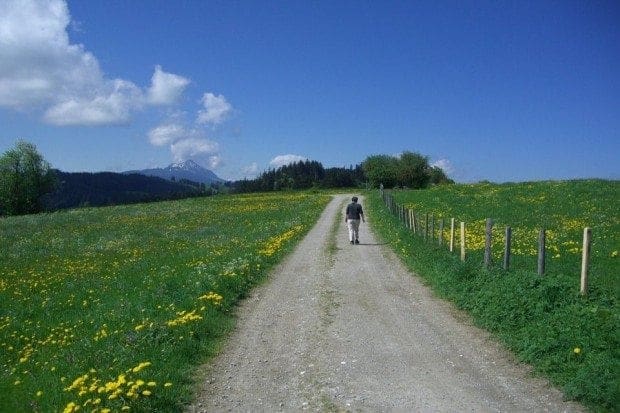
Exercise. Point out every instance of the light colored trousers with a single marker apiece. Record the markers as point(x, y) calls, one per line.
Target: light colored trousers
point(354, 229)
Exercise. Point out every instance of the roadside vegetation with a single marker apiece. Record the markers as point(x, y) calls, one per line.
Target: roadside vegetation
point(114, 308)
point(571, 339)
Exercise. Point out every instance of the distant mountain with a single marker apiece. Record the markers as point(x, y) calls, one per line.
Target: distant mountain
point(188, 170)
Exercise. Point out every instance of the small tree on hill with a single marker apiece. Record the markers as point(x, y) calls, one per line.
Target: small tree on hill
point(413, 170)
point(381, 169)
point(24, 178)
point(409, 169)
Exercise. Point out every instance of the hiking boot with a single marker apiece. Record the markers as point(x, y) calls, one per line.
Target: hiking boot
point(357, 241)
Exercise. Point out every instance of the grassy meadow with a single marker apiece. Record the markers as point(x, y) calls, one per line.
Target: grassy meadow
point(573, 340)
point(111, 309)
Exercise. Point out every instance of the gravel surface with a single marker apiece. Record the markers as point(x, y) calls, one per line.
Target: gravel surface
point(342, 327)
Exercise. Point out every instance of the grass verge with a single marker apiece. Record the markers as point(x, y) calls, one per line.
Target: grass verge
point(572, 340)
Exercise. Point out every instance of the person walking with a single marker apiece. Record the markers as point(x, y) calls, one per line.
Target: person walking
point(352, 217)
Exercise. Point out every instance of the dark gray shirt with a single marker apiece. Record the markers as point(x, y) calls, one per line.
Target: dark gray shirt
point(354, 210)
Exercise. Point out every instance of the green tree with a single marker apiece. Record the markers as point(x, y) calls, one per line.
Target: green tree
point(409, 169)
point(381, 169)
point(24, 178)
point(413, 170)
point(439, 177)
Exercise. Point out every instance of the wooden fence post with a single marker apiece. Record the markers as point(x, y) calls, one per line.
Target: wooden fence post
point(541, 251)
point(415, 222)
point(441, 232)
point(451, 234)
point(462, 241)
point(407, 220)
point(507, 243)
point(432, 227)
point(585, 259)
point(487, 243)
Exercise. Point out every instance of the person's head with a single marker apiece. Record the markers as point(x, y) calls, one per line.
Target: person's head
point(354, 199)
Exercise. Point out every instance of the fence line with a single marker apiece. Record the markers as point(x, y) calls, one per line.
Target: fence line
point(410, 219)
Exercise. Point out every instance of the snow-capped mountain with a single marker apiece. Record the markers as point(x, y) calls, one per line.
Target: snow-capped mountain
point(189, 170)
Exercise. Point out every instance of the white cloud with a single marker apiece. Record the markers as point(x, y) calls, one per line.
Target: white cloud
point(105, 108)
point(166, 88)
point(282, 160)
point(445, 165)
point(250, 170)
point(216, 109)
point(166, 134)
point(215, 161)
point(40, 69)
point(191, 148)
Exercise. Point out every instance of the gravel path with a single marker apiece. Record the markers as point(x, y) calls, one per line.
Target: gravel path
point(342, 327)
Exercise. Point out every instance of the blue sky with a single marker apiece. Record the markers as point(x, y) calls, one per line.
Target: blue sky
point(502, 91)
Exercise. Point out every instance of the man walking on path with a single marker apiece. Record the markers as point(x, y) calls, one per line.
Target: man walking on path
point(352, 218)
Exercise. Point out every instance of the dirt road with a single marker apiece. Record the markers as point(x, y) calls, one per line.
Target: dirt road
point(342, 327)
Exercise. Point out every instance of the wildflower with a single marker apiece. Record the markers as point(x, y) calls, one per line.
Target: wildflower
point(167, 384)
point(71, 407)
point(141, 366)
point(577, 350)
point(39, 393)
point(146, 393)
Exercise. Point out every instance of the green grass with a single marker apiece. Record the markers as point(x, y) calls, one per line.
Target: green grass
point(572, 340)
point(115, 307)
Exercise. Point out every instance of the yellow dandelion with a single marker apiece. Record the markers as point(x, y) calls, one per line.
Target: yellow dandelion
point(577, 350)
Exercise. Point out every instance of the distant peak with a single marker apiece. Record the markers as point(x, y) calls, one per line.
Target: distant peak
point(188, 164)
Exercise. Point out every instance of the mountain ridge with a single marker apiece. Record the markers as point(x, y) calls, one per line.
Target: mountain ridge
point(187, 169)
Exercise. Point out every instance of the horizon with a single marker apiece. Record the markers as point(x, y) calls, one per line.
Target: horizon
point(488, 91)
point(482, 181)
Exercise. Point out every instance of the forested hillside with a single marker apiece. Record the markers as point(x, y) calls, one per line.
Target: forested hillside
point(108, 188)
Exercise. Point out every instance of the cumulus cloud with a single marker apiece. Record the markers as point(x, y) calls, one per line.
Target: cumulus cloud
point(40, 68)
point(216, 109)
point(215, 161)
point(282, 160)
point(192, 148)
point(111, 106)
point(445, 165)
point(166, 88)
point(166, 134)
point(250, 170)
point(185, 142)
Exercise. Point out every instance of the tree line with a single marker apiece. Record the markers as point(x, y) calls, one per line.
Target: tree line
point(302, 175)
point(407, 170)
point(28, 184)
